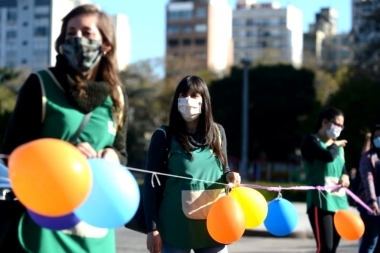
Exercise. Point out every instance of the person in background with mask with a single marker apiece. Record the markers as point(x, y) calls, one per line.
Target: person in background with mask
point(199, 151)
point(369, 192)
point(324, 163)
point(52, 103)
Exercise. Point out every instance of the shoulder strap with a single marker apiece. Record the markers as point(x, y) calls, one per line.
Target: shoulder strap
point(86, 118)
point(122, 100)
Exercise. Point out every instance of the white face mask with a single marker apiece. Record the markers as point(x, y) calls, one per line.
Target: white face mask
point(190, 108)
point(333, 132)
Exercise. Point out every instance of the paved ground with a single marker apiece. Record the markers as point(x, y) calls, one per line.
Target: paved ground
point(129, 241)
point(255, 240)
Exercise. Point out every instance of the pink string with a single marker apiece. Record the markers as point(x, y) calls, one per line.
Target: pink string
point(4, 156)
point(305, 188)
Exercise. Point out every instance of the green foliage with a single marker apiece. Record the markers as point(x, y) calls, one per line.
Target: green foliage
point(279, 96)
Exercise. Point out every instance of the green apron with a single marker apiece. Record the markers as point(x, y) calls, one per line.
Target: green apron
point(326, 174)
point(186, 203)
point(61, 120)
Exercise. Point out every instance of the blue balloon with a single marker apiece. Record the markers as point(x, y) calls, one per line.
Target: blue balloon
point(4, 172)
point(282, 217)
point(5, 183)
point(54, 223)
point(114, 197)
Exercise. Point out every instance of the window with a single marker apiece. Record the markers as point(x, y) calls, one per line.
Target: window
point(12, 16)
point(345, 41)
point(41, 31)
point(187, 29)
point(25, 24)
point(24, 61)
point(173, 29)
point(201, 12)
point(345, 54)
point(25, 7)
point(238, 22)
point(200, 42)
point(250, 22)
point(173, 15)
point(173, 42)
point(25, 43)
point(11, 35)
point(251, 34)
point(200, 28)
point(41, 15)
point(186, 42)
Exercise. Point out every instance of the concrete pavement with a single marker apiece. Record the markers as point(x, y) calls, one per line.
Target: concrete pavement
point(254, 240)
point(303, 229)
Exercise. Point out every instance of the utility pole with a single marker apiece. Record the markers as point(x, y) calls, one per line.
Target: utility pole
point(245, 132)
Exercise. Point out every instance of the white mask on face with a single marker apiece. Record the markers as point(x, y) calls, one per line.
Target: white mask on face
point(333, 132)
point(189, 108)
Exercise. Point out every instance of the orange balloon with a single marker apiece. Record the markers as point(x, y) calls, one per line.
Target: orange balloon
point(226, 220)
point(50, 176)
point(348, 225)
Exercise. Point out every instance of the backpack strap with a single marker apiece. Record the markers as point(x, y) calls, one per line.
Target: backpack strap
point(168, 142)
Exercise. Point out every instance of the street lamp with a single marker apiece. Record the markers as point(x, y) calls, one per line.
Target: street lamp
point(245, 133)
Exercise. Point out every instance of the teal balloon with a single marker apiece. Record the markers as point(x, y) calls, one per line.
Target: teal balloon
point(114, 197)
point(282, 217)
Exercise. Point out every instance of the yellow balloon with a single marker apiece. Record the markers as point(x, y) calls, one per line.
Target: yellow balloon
point(253, 203)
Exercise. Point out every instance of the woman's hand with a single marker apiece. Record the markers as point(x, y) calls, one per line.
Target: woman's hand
point(108, 154)
point(375, 208)
point(153, 242)
point(341, 143)
point(344, 181)
point(86, 149)
point(233, 177)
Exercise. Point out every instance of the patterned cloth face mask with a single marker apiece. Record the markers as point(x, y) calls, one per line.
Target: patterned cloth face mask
point(82, 53)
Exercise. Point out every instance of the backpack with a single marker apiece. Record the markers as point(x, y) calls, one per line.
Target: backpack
point(137, 223)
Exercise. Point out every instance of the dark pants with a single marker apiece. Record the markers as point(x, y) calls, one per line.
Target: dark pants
point(10, 214)
point(325, 234)
point(369, 242)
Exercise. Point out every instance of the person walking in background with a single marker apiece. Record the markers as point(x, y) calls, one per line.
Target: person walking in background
point(198, 150)
point(324, 163)
point(52, 103)
point(369, 192)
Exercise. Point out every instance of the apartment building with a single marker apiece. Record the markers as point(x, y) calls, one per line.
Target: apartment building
point(267, 30)
point(202, 30)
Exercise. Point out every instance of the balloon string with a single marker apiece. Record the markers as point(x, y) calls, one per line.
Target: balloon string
point(278, 189)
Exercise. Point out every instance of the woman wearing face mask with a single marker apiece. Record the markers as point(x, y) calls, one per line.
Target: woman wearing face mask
point(199, 151)
point(52, 104)
point(324, 163)
point(369, 192)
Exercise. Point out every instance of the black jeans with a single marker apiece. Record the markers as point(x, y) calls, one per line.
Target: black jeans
point(10, 214)
point(371, 234)
point(325, 234)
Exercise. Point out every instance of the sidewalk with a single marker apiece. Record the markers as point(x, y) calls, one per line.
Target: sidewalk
point(303, 229)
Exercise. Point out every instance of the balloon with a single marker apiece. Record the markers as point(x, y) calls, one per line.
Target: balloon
point(3, 171)
point(226, 220)
point(49, 176)
point(348, 225)
point(54, 223)
point(114, 197)
point(282, 217)
point(253, 203)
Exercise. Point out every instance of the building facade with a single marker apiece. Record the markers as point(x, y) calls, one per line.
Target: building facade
point(202, 30)
point(29, 28)
point(262, 31)
point(123, 40)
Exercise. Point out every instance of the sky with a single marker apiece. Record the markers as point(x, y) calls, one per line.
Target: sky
point(147, 20)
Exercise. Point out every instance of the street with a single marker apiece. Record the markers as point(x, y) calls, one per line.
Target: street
point(129, 241)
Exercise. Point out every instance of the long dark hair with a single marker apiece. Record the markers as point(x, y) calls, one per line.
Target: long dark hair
point(206, 124)
point(329, 114)
point(108, 70)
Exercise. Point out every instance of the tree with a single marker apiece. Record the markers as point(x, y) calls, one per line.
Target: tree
point(280, 97)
